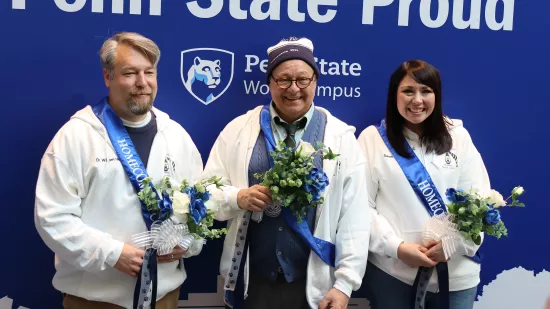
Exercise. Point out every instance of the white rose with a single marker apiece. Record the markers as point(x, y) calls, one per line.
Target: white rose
point(180, 203)
point(517, 190)
point(211, 205)
point(496, 199)
point(306, 148)
point(178, 219)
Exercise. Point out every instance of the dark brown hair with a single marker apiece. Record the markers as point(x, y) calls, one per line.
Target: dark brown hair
point(436, 137)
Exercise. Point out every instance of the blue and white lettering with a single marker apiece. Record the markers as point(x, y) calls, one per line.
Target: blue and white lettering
point(430, 197)
point(271, 9)
point(132, 163)
point(417, 176)
point(125, 151)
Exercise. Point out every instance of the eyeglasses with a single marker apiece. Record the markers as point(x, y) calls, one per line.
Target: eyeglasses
point(302, 82)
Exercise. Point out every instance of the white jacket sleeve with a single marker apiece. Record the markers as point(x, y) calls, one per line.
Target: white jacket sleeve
point(353, 229)
point(473, 175)
point(217, 165)
point(383, 239)
point(194, 249)
point(57, 219)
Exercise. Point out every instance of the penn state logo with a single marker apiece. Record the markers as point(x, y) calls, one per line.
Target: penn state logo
point(447, 158)
point(207, 72)
point(169, 166)
point(454, 157)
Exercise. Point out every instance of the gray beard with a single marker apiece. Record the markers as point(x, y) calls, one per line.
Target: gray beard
point(139, 109)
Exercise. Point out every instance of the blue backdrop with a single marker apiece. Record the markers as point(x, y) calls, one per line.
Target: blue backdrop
point(494, 68)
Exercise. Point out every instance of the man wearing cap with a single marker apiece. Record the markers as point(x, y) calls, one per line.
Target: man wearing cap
point(267, 262)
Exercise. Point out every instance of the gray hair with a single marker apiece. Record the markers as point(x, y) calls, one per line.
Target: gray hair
point(144, 45)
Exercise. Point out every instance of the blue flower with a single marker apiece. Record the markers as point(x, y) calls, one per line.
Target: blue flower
point(319, 183)
point(316, 195)
point(492, 216)
point(165, 207)
point(204, 196)
point(197, 210)
point(191, 191)
point(194, 194)
point(454, 197)
point(319, 178)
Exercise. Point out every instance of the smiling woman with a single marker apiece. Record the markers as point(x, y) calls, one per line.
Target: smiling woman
point(414, 102)
point(423, 143)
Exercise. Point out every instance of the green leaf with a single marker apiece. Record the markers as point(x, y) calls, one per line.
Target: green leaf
point(477, 240)
point(330, 155)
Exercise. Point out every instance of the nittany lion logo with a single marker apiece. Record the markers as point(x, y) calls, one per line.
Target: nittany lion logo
point(206, 72)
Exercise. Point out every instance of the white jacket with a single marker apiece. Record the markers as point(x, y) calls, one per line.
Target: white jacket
point(86, 207)
point(343, 219)
point(397, 213)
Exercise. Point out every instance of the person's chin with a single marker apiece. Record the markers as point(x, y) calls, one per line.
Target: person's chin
point(141, 108)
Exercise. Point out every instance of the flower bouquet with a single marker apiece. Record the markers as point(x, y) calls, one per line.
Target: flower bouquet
point(181, 214)
point(294, 180)
point(475, 214)
point(470, 214)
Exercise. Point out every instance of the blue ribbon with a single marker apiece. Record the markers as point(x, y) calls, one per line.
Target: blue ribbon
point(136, 172)
point(147, 278)
point(126, 153)
point(426, 191)
point(324, 249)
point(420, 180)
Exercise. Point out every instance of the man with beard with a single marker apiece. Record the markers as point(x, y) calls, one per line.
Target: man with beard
point(87, 207)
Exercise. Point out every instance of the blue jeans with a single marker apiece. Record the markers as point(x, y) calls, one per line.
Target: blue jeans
point(386, 292)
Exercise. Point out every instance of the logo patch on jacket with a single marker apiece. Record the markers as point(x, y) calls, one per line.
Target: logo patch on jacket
point(169, 167)
point(451, 160)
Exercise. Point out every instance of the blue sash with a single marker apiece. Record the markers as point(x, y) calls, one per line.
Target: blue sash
point(418, 177)
point(324, 249)
point(136, 172)
point(420, 180)
point(427, 193)
point(125, 151)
